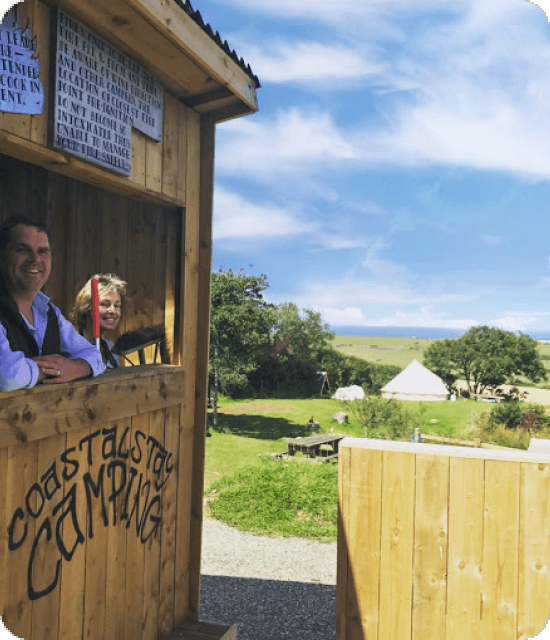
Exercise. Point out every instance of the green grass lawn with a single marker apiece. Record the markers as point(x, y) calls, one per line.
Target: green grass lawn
point(297, 498)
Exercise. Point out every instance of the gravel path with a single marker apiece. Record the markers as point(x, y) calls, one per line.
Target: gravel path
point(271, 588)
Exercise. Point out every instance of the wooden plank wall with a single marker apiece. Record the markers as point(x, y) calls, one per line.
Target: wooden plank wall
point(435, 547)
point(113, 581)
point(157, 167)
point(94, 231)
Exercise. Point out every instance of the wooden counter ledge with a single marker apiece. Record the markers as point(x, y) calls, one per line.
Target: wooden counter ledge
point(33, 414)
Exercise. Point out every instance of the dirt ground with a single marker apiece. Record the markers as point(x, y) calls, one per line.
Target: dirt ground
point(540, 396)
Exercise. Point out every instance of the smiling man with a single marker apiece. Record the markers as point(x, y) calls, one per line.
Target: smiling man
point(37, 344)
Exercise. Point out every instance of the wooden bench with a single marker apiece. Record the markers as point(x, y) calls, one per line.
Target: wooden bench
point(312, 444)
point(202, 631)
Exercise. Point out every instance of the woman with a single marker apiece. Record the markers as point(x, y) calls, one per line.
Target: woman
point(112, 292)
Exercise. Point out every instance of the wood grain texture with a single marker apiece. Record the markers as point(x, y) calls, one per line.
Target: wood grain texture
point(40, 413)
point(430, 548)
point(169, 514)
point(363, 540)
point(534, 549)
point(21, 476)
point(466, 507)
point(202, 354)
point(343, 556)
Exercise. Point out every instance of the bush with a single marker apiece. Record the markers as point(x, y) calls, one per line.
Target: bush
point(388, 418)
point(510, 414)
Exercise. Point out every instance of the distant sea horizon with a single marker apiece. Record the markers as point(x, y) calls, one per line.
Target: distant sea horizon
point(426, 333)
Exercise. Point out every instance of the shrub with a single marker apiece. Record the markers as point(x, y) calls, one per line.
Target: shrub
point(389, 418)
point(510, 414)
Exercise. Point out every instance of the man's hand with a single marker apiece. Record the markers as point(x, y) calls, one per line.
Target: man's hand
point(57, 369)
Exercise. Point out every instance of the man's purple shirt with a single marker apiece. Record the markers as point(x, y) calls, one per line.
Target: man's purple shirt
point(19, 372)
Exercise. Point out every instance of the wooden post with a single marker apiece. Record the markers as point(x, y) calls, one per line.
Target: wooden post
point(203, 339)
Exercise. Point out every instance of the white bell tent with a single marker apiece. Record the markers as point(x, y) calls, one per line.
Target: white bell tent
point(416, 383)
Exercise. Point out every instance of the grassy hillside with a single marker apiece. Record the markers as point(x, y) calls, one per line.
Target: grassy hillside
point(401, 351)
point(397, 351)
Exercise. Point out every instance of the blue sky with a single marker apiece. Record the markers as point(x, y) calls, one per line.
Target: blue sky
point(398, 171)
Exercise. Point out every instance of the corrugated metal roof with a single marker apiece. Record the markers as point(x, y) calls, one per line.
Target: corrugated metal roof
point(196, 16)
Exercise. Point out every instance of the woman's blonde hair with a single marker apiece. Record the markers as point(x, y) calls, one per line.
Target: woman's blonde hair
point(82, 309)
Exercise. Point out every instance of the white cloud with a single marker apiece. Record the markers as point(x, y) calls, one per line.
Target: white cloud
point(518, 320)
point(308, 62)
point(291, 142)
point(237, 218)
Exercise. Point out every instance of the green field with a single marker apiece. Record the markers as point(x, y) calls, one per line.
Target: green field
point(397, 351)
point(402, 351)
point(246, 488)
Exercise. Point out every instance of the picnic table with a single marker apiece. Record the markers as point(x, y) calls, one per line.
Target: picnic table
point(312, 444)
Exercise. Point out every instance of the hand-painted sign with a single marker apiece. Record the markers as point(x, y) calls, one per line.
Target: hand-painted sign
point(100, 94)
point(124, 472)
point(20, 87)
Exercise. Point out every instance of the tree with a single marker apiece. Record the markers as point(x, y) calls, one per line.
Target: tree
point(485, 357)
point(299, 342)
point(240, 324)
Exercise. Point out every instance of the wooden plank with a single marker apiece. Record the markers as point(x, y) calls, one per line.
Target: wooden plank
point(168, 531)
point(15, 187)
point(73, 167)
point(466, 504)
point(62, 408)
point(134, 548)
point(88, 229)
point(171, 295)
point(363, 540)
point(41, 30)
point(95, 601)
point(73, 573)
point(159, 268)
point(115, 610)
point(137, 172)
point(189, 333)
point(184, 547)
point(182, 153)
point(170, 150)
point(141, 40)
point(534, 549)
point(3, 525)
point(19, 124)
point(397, 544)
point(508, 455)
point(45, 610)
point(430, 548)
point(343, 555)
point(56, 220)
point(500, 550)
point(182, 31)
point(151, 573)
point(21, 475)
point(114, 246)
point(202, 333)
point(141, 255)
point(153, 165)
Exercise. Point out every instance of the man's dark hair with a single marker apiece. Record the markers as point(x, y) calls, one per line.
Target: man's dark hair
point(13, 221)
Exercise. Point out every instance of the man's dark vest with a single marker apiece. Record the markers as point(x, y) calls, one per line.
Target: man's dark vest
point(19, 336)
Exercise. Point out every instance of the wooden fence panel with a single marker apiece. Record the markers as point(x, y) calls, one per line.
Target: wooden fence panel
point(463, 538)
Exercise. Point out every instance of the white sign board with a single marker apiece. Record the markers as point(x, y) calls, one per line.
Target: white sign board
point(100, 94)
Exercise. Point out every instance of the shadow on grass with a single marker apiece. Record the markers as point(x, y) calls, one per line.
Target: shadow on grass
point(257, 426)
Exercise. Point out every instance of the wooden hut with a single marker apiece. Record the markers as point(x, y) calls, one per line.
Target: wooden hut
point(107, 120)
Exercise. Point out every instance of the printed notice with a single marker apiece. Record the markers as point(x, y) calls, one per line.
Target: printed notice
point(100, 94)
point(20, 87)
